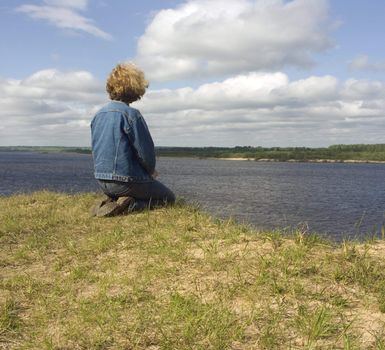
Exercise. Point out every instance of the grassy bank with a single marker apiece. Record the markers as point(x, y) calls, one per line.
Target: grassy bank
point(176, 278)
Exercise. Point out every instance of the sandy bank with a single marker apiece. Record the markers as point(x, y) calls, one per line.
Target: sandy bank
point(309, 160)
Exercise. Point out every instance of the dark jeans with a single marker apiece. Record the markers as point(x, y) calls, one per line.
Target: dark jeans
point(146, 194)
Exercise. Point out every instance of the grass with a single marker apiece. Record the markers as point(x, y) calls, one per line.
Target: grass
point(175, 278)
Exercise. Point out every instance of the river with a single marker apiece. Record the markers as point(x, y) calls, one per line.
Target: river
point(335, 199)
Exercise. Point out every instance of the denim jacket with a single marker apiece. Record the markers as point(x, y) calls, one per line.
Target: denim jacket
point(122, 147)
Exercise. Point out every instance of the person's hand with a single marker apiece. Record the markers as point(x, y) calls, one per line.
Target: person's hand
point(155, 174)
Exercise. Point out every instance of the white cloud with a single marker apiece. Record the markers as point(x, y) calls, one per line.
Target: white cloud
point(268, 109)
point(362, 62)
point(210, 37)
point(53, 107)
point(253, 90)
point(64, 14)
point(77, 4)
point(49, 107)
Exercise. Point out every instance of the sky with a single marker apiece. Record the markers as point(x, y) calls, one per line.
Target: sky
point(222, 72)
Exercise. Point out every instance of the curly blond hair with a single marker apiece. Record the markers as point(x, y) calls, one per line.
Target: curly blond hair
point(126, 83)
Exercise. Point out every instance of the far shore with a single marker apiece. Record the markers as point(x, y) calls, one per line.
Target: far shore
point(306, 160)
point(276, 154)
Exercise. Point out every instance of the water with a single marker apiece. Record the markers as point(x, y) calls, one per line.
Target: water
point(334, 199)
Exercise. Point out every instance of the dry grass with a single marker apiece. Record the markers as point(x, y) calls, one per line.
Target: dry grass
point(176, 278)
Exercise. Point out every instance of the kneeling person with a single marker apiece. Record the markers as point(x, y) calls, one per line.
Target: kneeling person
point(123, 150)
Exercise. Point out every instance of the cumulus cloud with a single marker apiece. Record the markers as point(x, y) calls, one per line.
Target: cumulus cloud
point(55, 108)
point(65, 15)
point(49, 108)
point(268, 109)
point(362, 63)
point(207, 37)
point(247, 92)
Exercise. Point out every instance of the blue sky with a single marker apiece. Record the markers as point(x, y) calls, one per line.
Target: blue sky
point(222, 72)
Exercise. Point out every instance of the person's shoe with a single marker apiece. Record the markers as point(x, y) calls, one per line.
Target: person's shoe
point(114, 208)
point(98, 204)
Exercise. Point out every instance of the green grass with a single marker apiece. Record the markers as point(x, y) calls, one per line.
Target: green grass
point(175, 278)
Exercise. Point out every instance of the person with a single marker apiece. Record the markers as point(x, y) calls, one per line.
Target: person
point(123, 150)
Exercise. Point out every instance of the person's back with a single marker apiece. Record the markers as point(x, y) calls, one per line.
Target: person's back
point(122, 146)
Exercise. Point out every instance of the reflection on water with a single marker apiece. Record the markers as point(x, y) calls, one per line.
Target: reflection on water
point(337, 199)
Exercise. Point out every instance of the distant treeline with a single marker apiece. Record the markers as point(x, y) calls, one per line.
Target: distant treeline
point(374, 152)
point(46, 149)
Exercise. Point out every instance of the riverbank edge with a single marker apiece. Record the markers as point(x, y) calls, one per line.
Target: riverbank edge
point(307, 160)
point(271, 160)
point(80, 150)
point(178, 278)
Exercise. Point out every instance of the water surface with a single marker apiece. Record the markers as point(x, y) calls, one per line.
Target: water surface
point(331, 198)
